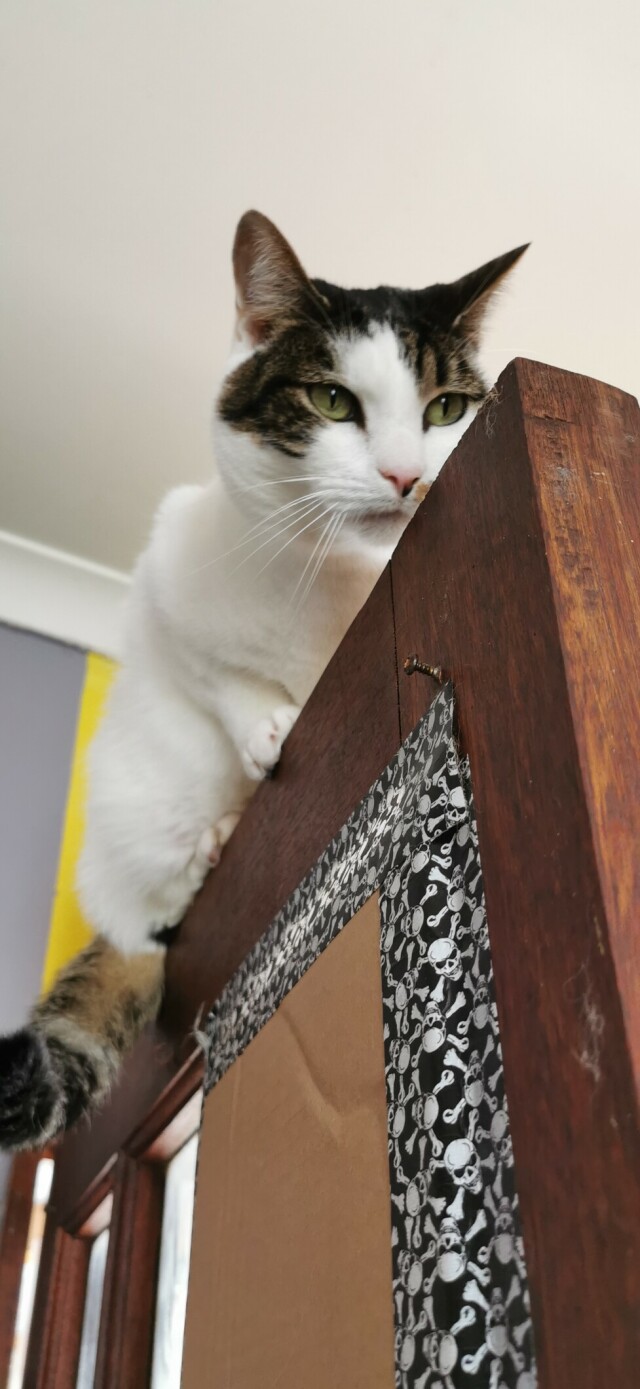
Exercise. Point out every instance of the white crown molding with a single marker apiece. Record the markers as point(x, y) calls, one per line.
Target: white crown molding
point(61, 595)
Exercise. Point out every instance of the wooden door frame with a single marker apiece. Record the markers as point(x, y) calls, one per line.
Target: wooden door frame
point(13, 1245)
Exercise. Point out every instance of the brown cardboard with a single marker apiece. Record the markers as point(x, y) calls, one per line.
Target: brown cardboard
point(290, 1284)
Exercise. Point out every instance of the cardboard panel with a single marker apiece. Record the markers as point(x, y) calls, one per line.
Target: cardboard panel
point(291, 1267)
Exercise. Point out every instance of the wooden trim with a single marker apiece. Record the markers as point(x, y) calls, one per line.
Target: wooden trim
point(521, 578)
point(92, 1198)
point(13, 1243)
point(43, 1315)
point(168, 1124)
point(583, 440)
point(56, 1327)
point(178, 1131)
point(125, 1342)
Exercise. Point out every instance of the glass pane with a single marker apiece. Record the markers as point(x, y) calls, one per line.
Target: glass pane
point(41, 1189)
point(92, 1308)
point(175, 1249)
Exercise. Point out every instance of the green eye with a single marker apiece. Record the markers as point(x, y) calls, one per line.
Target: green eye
point(445, 409)
point(334, 402)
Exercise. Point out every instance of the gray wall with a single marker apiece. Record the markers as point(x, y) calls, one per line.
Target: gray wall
point(40, 686)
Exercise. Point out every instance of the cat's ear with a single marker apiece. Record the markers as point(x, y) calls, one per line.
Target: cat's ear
point(470, 297)
point(270, 281)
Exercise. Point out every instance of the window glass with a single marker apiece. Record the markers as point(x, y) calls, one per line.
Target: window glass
point(41, 1189)
point(92, 1309)
point(175, 1250)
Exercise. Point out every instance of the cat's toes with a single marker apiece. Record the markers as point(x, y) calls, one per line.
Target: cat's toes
point(206, 854)
point(212, 842)
point(225, 827)
point(262, 750)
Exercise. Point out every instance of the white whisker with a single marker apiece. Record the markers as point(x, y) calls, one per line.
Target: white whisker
point(268, 523)
point(271, 523)
point(315, 521)
point(310, 559)
point(323, 555)
point(312, 506)
point(334, 528)
point(280, 481)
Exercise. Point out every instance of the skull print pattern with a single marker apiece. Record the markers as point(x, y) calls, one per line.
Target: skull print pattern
point(460, 1291)
point(461, 1302)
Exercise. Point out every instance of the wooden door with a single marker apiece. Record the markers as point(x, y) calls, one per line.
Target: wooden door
point(520, 580)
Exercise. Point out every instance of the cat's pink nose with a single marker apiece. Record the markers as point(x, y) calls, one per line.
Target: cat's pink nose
point(403, 479)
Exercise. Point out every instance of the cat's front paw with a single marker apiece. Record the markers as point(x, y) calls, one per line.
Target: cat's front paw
point(210, 845)
point(261, 752)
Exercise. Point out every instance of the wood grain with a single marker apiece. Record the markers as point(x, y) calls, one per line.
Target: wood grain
point(584, 444)
point(13, 1244)
point(520, 577)
point(54, 1343)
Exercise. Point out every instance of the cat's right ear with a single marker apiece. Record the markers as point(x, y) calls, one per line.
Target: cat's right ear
point(270, 281)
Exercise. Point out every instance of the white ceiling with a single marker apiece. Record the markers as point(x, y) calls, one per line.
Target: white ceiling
point(404, 141)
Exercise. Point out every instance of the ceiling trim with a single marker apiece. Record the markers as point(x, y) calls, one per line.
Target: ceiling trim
point(61, 595)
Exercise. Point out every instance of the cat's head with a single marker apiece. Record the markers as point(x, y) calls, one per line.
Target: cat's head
point(340, 406)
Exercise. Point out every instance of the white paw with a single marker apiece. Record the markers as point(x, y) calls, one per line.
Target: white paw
point(223, 830)
point(210, 845)
point(264, 745)
point(206, 854)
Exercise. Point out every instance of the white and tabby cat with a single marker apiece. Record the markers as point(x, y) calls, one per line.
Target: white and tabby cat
point(338, 409)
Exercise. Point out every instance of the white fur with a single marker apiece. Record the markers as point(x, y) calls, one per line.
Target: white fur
point(374, 368)
point(225, 643)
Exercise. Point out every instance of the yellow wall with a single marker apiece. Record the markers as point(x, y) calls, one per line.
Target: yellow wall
point(69, 931)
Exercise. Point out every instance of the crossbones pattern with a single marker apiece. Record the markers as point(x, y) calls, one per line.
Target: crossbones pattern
point(459, 1276)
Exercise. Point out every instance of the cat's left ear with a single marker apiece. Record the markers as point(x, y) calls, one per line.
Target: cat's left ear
point(470, 297)
point(270, 282)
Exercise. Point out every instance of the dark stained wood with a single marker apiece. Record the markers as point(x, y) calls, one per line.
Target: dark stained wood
point(128, 1302)
point(174, 1119)
point(56, 1326)
point(584, 445)
point(42, 1318)
point(87, 1199)
point(521, 577)
point(13, 1243)
point(43, 1315)
point(345, 736)
point(140, 1109)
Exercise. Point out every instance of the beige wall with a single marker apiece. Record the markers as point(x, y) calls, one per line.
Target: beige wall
point(396, 140)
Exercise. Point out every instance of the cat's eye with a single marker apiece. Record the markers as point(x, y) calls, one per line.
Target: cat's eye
point(334, 402)
point(445, 409)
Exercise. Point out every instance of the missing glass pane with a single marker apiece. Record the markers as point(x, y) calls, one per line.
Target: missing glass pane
point(175, 1250)
point(41, 1189)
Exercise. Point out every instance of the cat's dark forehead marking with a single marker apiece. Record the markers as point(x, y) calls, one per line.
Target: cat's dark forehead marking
point(437, 354)
point(359, 308)
point(265, 395)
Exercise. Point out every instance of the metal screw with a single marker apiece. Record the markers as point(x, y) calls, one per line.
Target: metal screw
point(411, 665)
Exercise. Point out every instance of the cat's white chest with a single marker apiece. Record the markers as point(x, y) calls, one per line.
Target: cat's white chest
point(234, 603)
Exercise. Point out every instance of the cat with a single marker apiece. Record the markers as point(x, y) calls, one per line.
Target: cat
point(336, 413)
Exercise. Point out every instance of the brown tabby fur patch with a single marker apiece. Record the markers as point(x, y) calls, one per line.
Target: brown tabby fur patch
point(109, 995)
